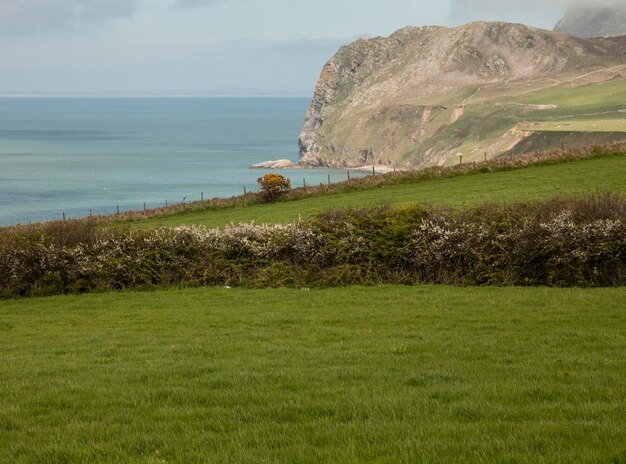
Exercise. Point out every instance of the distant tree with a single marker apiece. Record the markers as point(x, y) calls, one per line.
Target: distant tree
point(273, 185)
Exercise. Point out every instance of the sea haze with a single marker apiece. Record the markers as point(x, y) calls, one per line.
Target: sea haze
point(79, 154)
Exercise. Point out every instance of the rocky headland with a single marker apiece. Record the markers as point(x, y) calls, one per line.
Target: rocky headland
point(425, 96)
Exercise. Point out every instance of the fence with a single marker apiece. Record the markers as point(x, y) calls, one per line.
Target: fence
point(145, 206)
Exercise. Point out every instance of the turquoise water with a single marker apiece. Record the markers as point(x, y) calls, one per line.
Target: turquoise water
point(73, 155)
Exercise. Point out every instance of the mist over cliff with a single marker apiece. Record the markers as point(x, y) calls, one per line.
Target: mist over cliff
point(594, 20)
point(540, 13)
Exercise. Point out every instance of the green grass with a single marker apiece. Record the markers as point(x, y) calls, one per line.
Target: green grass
point(599, 100)
point(535, 182)
point(572, 100)
point(382, 374)
point(581, 125)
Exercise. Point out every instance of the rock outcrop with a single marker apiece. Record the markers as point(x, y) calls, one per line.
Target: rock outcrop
point(415, 97)
point(594, 20)
point(276, 164)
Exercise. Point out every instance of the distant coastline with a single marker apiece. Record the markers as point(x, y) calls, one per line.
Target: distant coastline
point(150, 96)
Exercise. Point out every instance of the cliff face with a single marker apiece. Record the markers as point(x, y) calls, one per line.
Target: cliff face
point(411, 98)
point(594, 21)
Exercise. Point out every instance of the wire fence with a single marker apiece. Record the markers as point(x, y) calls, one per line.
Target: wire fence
point(127, 207)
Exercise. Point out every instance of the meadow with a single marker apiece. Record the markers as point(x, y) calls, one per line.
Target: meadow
point(604, 97)
point(361, 374)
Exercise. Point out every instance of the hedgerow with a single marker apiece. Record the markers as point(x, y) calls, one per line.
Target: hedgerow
point(561, 242)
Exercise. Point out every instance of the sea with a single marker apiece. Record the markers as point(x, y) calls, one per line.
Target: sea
point(75, 156)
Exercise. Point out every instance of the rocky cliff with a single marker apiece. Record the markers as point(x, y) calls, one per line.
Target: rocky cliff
point(594, 20)
point(415, 98)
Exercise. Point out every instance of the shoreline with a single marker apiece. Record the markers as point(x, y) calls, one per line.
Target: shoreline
point(288, 164)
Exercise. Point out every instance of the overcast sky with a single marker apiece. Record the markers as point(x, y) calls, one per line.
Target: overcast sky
point(210, 46)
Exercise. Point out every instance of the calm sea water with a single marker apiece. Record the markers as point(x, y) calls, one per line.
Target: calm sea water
point(74, 155)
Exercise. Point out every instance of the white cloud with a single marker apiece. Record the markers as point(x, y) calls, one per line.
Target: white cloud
point(192, 44)
point(24, 17)
point(197, 3)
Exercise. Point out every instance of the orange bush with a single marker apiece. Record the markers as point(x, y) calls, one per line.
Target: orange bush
point(272, 185)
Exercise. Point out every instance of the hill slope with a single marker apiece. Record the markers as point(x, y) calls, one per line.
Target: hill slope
point(422, 95)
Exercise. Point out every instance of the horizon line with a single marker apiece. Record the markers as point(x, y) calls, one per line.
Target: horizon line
point(151, 95)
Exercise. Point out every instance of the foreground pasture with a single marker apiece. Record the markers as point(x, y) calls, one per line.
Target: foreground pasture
point(380, 374)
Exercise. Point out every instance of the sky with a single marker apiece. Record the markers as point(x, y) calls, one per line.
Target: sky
point(219, 47)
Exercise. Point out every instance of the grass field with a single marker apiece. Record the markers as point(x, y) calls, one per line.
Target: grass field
point(535, 182)
point(382, 374)
point(582, 125)
point(591, 98)
point(592, 107)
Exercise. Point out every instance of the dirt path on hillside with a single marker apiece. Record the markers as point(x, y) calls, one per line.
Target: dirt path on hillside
point(556, 83)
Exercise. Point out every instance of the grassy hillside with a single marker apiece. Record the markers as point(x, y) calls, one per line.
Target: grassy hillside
point(386, 374)
point(540, 141)
point(591, 108)
point(510, 113)
point(602, 97)
point(581, 125)
point(535, 182)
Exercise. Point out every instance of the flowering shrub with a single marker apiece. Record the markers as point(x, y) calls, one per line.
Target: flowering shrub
point(560, 242)
point(272, 185)
point(548, 244)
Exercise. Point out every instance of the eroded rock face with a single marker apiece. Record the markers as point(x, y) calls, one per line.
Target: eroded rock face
point(594, 21)
point(406, 99)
